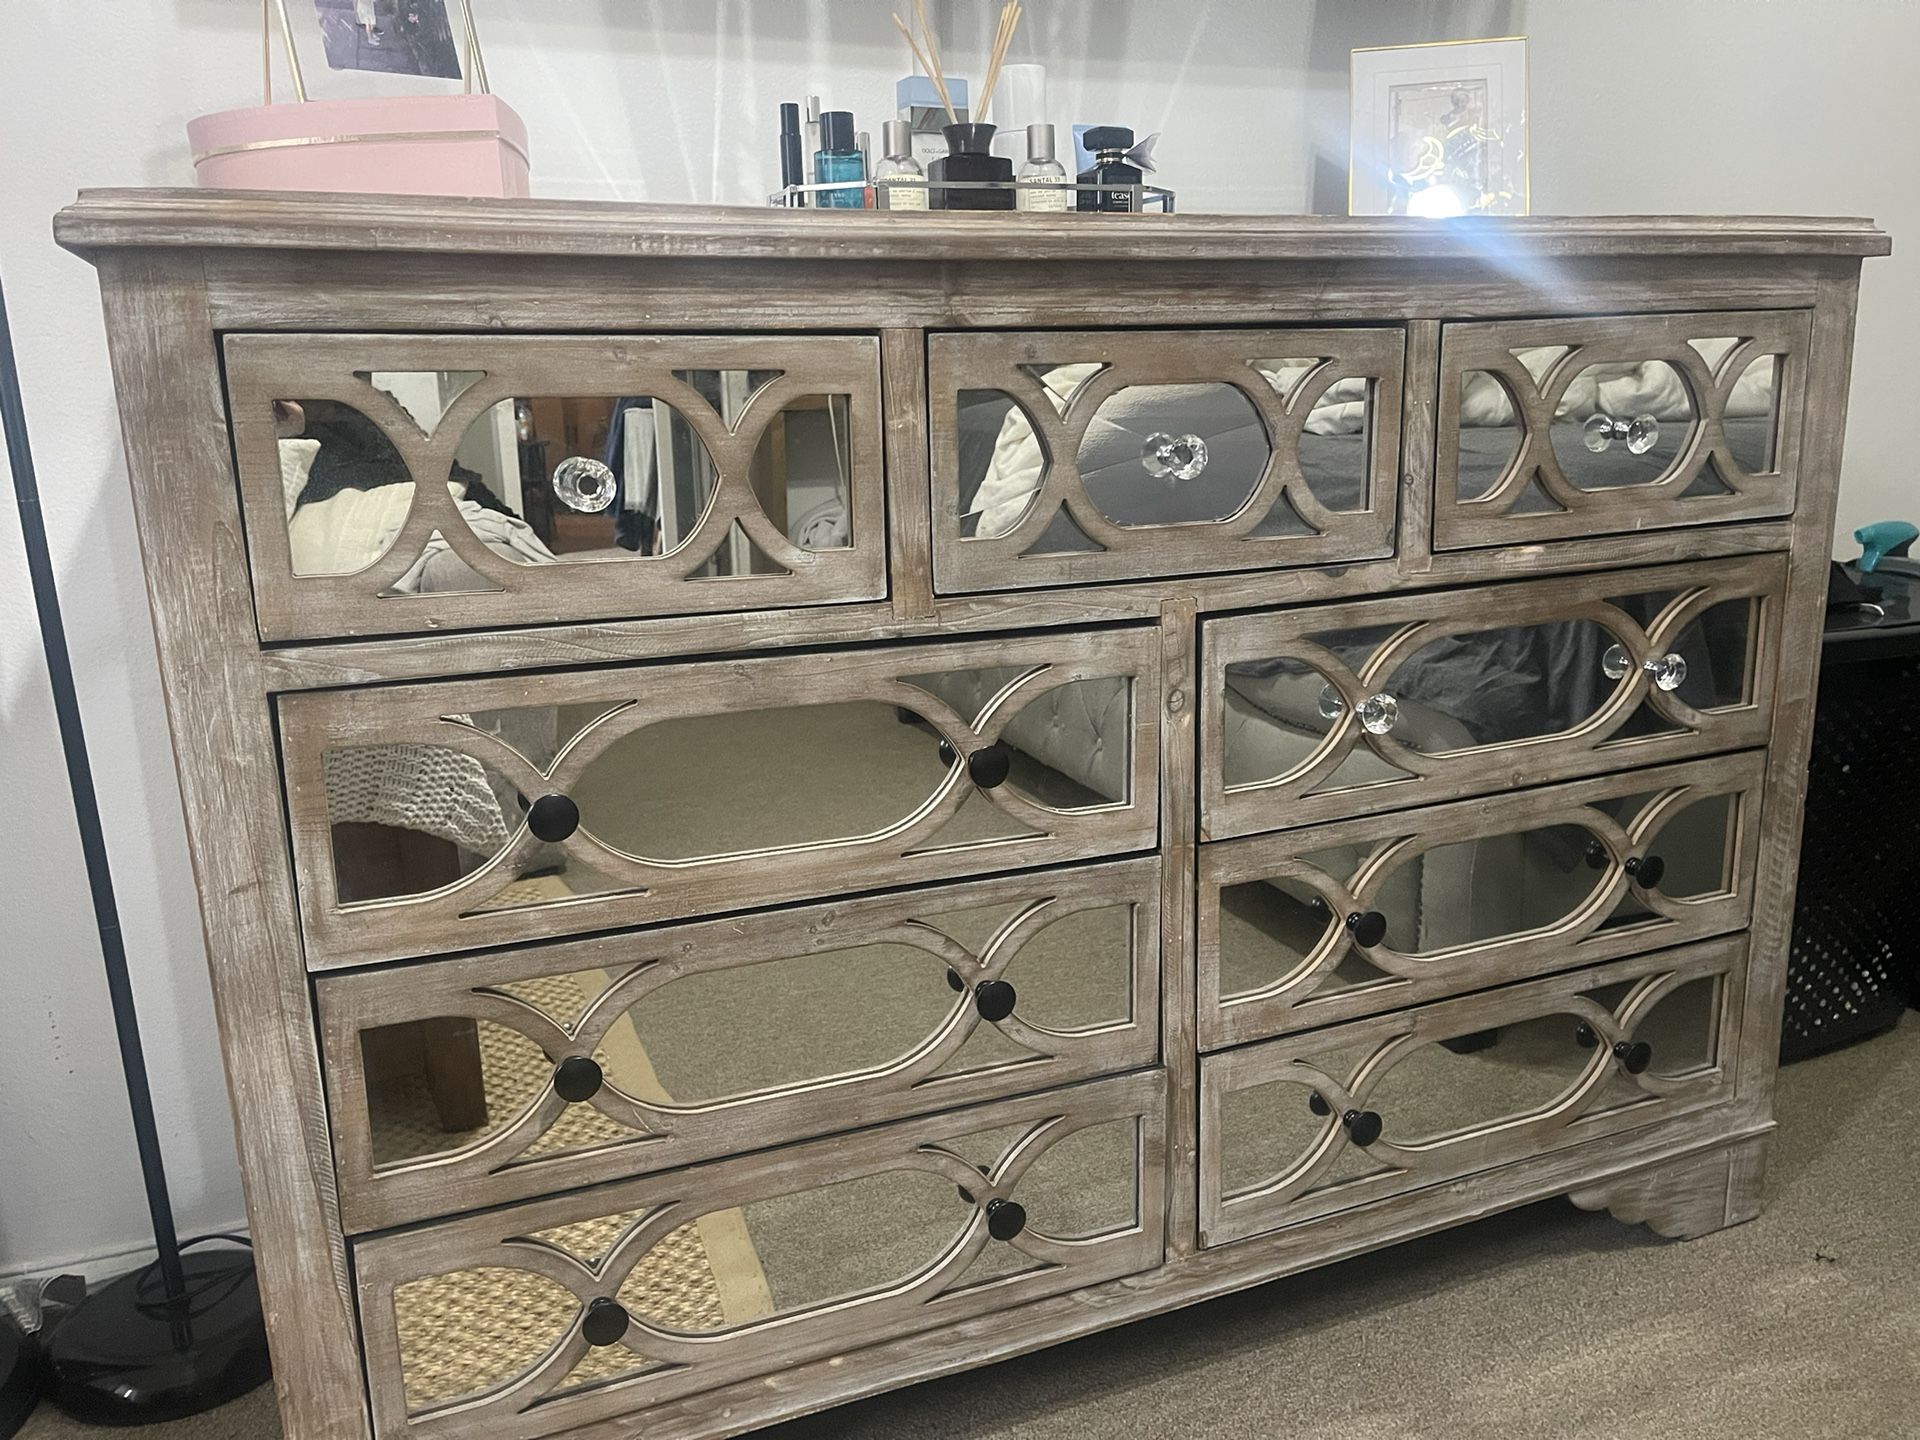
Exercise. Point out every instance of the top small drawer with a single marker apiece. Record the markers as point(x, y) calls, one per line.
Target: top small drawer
point(1063, 458)
point(1550, 429)
point(585, 478)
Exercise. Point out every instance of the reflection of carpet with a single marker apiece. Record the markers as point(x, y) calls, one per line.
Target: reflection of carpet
point(470, 1330)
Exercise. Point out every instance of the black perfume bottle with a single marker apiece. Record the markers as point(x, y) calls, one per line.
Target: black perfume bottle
point(1109, 145)
point(971, 157)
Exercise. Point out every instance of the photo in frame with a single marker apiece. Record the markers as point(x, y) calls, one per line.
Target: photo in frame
point(1440, 129)
point(396, 37)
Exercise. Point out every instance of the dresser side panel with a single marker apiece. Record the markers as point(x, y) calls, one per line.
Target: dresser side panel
point(166, 370)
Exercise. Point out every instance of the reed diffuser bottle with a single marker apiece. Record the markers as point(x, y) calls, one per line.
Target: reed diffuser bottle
point(971, 158)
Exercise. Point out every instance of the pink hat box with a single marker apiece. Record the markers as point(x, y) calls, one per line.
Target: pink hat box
point(397, 145)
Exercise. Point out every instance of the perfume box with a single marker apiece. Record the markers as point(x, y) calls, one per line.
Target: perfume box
point(393, 145)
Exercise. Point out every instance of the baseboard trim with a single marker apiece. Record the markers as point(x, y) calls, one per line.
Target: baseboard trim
point(97, 1265)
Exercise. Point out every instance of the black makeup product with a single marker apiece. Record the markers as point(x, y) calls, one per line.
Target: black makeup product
point(792, 167)
point(1109, 144)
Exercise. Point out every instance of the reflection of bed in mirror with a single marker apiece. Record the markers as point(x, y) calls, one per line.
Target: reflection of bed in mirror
point(551, 480)
point(1002, 463)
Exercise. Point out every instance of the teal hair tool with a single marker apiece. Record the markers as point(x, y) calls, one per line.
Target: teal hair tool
point(1881, 539)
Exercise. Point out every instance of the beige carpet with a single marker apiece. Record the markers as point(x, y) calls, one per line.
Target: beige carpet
point(1548, 1322)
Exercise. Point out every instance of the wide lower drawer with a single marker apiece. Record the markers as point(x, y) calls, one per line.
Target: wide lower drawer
point(534, 1319)
point(1307, 927)
point(458, 1084)
point(1294, 1129)
point(1565, 428)
point(395, 483)
point(1076, 457)
point(1331, 711)
point(482, 812)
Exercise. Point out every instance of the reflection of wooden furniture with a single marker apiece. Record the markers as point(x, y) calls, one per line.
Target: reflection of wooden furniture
point(536, 488)
point(443, 1053)
point(1631, 1071)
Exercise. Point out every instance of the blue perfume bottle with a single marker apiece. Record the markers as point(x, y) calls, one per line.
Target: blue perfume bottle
point(840, 160)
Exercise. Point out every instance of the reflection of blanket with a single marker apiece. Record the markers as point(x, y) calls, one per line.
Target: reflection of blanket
point(1625, 389)
point(351, 529)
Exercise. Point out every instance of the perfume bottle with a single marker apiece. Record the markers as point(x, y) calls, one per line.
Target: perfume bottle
point(1044, 172)
point(897, 141)
point(840, 160)
point(1109, 145)
point(971, 158)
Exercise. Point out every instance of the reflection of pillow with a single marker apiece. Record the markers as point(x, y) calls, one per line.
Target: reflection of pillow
point(1624, 390)
point(296, 464)
point(348, 530)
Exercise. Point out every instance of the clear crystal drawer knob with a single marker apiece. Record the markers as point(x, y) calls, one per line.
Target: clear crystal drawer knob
point(1669, 672)
point(1170, 457)
point(1379, 714)
point(1641, 433)
point(1332, 703)
point(582, 484)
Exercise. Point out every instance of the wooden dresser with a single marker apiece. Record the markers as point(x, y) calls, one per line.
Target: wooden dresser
point(788, 804)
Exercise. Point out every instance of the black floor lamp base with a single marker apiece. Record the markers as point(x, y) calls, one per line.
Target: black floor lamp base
point(126, 1356)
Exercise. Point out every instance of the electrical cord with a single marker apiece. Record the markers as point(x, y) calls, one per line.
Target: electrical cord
point(203, 1294)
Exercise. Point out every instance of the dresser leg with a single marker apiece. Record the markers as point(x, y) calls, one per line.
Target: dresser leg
point(1688, 1197)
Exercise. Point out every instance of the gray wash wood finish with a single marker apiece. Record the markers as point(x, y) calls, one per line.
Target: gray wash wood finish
point(180, 271)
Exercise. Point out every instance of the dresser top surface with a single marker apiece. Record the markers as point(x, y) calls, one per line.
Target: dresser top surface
point(230, 219)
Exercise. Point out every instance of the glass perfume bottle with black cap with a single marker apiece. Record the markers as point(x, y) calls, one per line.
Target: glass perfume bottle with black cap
point(1109, 145)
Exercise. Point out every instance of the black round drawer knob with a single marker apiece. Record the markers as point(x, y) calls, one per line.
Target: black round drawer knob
point(1363, 1127)
point(1646, 870)
point(1317, 1103)
point(1585, 1036)
point(990, 765)
point(947, 754)
point(1368, 927)
point(994, 999)
point(605, 1324)
point(553, 818)
point(1597, 855)
point(576, 1078)
point(1633, 1057)
point(1005, 1218)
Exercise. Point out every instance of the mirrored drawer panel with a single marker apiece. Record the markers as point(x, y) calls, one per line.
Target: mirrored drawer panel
point(1110, 455)
point(1332, 711)
point(1307, 927)
point(1294, 1129)
point(538, 1318)
point(410, 483)
point(469, 1082)
point(442, 817)
point(1553, 429)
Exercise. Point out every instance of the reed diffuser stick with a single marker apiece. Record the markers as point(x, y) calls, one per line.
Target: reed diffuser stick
point(1002, 41)
point(266, 52)
point(933, 55)
point(933, 72)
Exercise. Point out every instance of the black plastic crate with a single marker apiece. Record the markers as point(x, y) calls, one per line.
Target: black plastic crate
point(1856, 924)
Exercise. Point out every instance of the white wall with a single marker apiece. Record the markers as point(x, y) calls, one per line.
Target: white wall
point(1711, 105)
